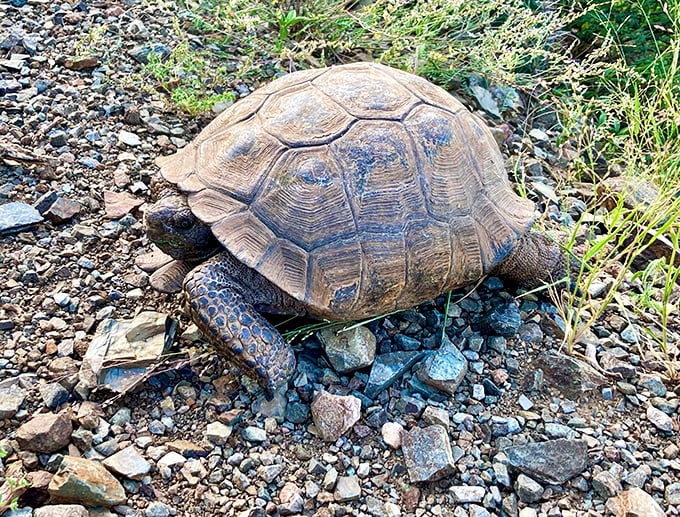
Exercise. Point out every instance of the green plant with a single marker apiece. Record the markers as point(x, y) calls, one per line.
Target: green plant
point(11, 488)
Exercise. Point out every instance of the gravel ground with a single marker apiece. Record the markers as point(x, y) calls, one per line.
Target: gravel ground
point(491, 420)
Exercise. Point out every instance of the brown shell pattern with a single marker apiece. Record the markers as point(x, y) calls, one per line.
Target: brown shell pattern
point(358, 189)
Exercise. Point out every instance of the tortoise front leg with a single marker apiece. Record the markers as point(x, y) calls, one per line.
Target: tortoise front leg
point(222, 294)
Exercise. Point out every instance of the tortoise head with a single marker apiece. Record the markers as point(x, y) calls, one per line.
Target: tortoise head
point(173, 227)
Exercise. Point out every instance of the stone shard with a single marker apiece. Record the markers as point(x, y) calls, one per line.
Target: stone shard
point(554, 461)
point(128, 462)
point(427, 453)
point(387, 368)
point(569, 375)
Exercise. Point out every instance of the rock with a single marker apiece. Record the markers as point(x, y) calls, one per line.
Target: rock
point(61, 510)
point(128, 462)
point(503, 320)
point(392, 433)
point(87, 482)
point(128, 138)
point(186, 448)
point(81, 62)
point(672, 494)
point(468, 494)
point(387, 368)
point(15, 217)
point(634, 502)
point(170, 460)
point(291, 499)
point(554, 461)
point(158, 509)
point(569, 375)
point(254, 434)
point(435, 415)
point(62, 210)
point(528, 490)
point(347, 489)
point(218, 433)
point(660, 419)
point(606, 484)
point(615, 366)
point(119, 204)
point(53, 394)
point(348, 350)
point(334, 415)
point(444, 369)
point(11, 400)
point(269, 473)
point(427, 453)
point(45, 433)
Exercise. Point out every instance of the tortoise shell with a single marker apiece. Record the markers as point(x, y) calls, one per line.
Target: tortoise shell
point(357, 189)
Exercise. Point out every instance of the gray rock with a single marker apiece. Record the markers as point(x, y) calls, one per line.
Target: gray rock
point(554, 461)
point(554, 430)
point(444, 369)
point(672, 494)
point(503, 320)
point(16, 216)
point(10, 401)
point(348, 350)
point(427, 453)
point(347, 489)
point(128, 138)
point(528, 490)
point(660, 419)
point(502, 474)
point(87, 482)
point(158, 509)
point(468, 494)
point(129, 463)
point(292, 502)
point(61, 510)
point(218, 433)
point(297, 413)
point(254, 434)
point(334, 415)
point(569, 375)
point(53, 394)
point(45, 433)
point(269, 473)
point(606, 484)
point(387, 368)
point(654, 385)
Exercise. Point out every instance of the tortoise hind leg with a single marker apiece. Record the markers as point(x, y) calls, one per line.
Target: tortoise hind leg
point(221, 297)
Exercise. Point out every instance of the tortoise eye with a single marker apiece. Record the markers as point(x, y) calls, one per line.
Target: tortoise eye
point(184, 223)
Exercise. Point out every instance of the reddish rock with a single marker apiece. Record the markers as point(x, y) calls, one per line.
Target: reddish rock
point(45, 433)
point(334, 415)
point(119, 204)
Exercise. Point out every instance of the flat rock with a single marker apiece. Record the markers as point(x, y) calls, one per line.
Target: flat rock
point(10, 401)
point(119, 204)
point(45, 433)
point(387, 368)
point(427, 453)
point(61, 510)
point(87, 482)
point(62, 210)
point(16, 216)
point(347, 489)
point(334, 415)
point(661, 420)
point(348, 350)
point(554, 461)
point(503, 320)
point(634, 502)
point(444, 369)
point(569, 375)
point(468, 494)
point(528, 490)
point(218, 433)
point(128, 462)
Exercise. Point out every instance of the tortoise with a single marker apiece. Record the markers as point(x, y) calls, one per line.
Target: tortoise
point(337, 193)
